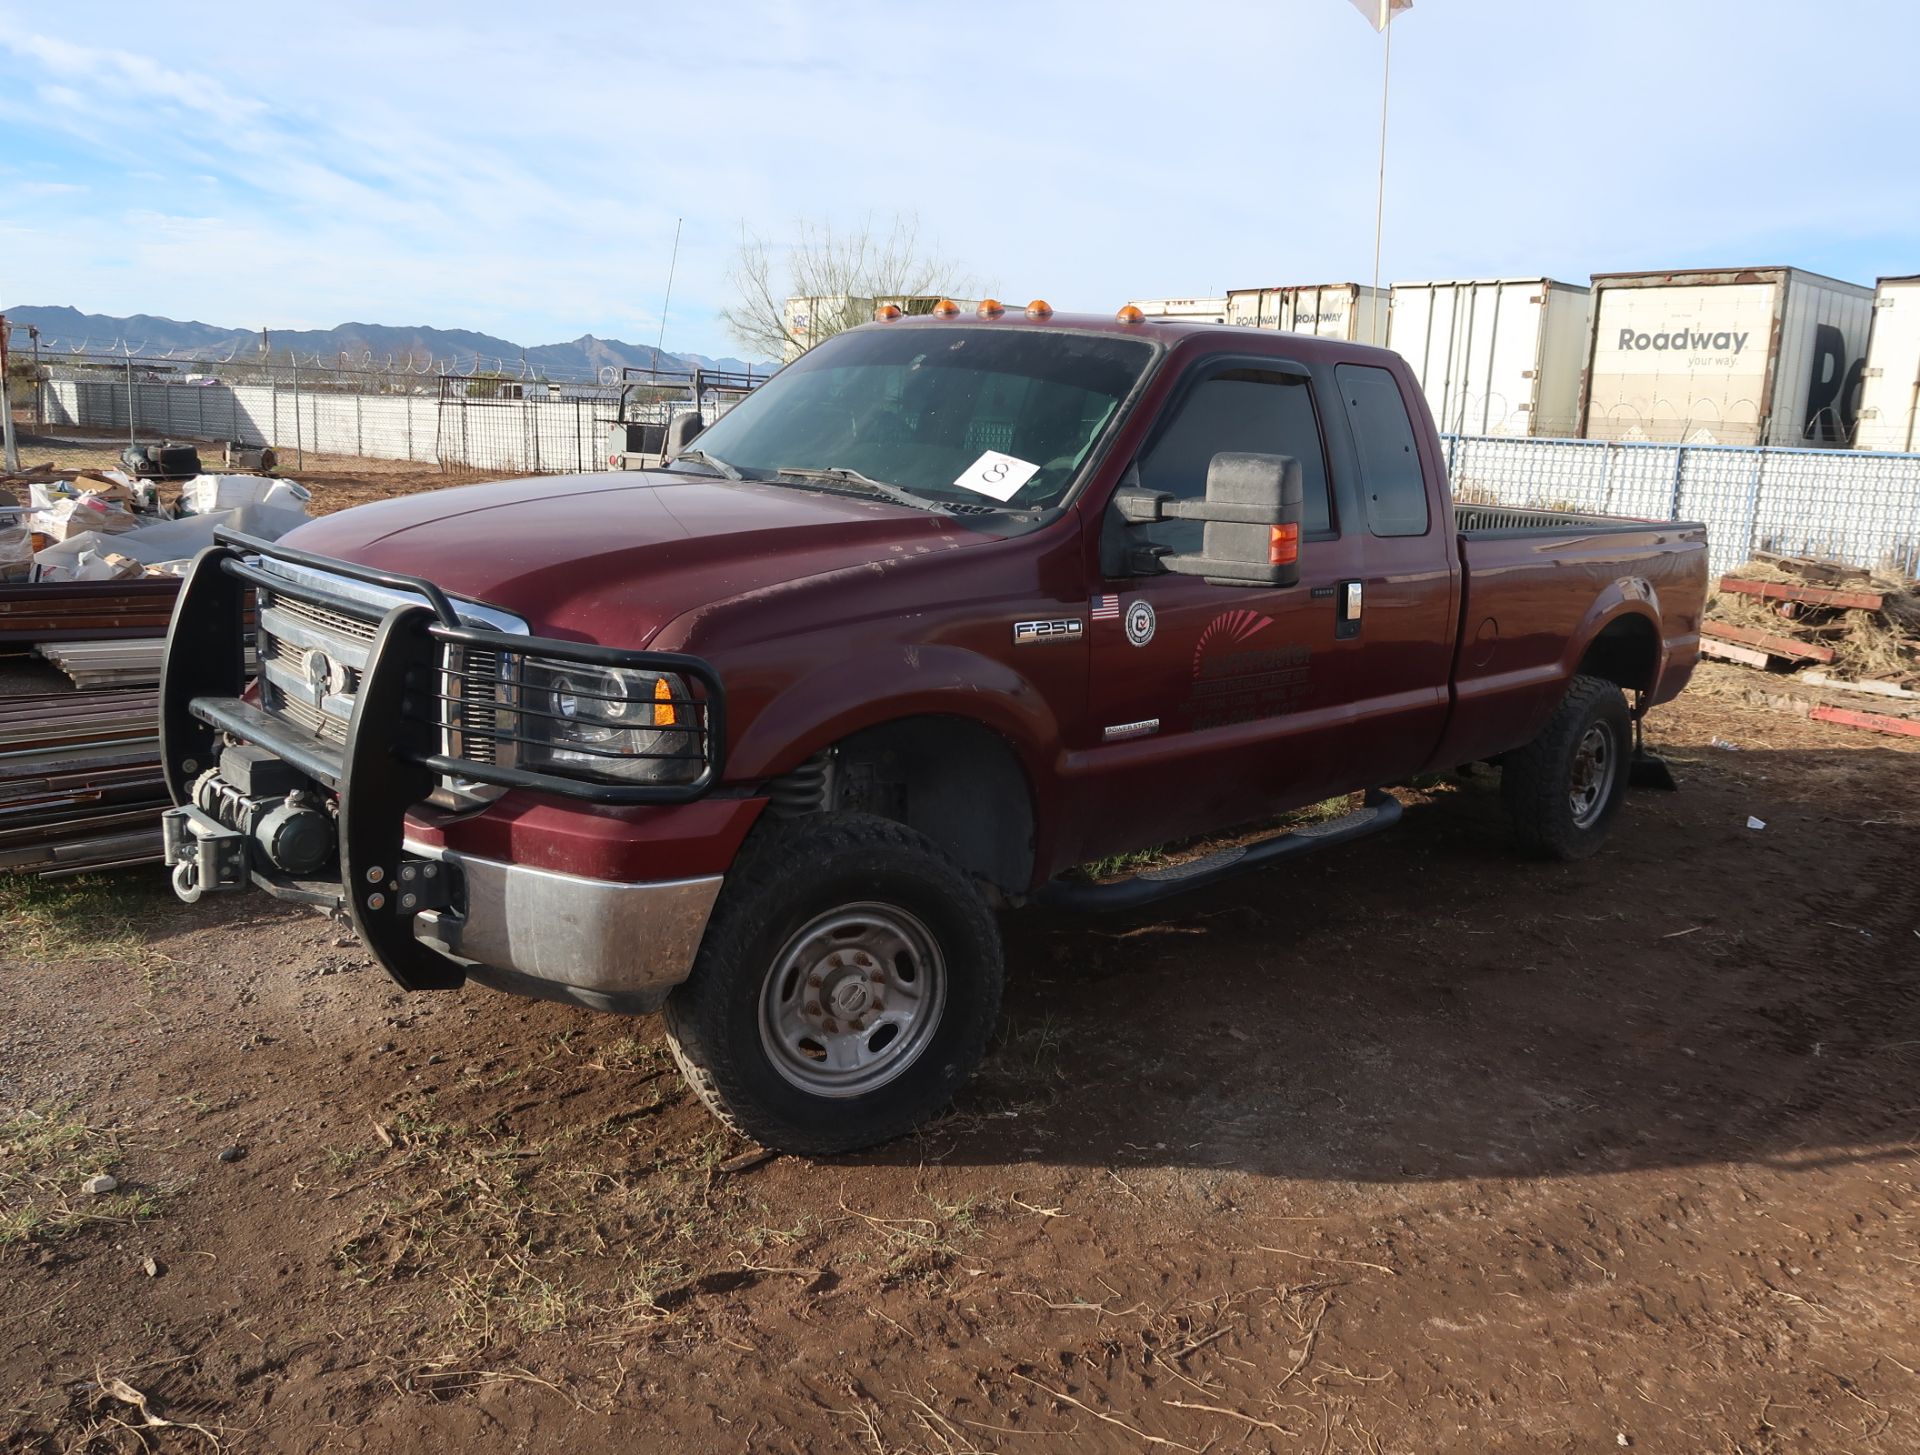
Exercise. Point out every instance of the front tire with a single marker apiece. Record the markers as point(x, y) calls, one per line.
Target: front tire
point(1563, 789)
point(845, 990)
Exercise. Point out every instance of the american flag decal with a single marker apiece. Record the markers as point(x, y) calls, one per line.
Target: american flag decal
point(1106, 608)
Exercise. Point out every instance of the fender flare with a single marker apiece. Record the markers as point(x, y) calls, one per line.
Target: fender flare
point(1626, 596)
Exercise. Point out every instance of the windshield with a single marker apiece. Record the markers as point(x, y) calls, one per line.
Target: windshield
point(1015, 412)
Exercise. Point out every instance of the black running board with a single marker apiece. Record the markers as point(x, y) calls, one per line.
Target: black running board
point(1380, 811)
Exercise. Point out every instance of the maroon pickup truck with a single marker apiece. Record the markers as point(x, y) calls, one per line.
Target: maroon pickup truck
point(951, 606)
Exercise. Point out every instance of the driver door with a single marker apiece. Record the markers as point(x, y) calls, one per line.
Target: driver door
point(1215, 705)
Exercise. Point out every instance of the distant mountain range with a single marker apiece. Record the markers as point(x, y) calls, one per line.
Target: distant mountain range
point(456, 348)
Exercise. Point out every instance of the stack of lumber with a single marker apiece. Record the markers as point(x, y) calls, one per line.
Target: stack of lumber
point(80, 783)
point(1833, 626)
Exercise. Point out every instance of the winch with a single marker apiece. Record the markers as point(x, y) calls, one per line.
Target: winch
point(252, 804)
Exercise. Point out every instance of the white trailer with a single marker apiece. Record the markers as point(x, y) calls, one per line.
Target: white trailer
point(1348, 311)
point(1186, 310)
point(1890, 390)
point(1737, 356)
point(1495, 356)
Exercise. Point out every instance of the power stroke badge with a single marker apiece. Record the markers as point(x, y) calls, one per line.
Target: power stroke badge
point(1140, 623)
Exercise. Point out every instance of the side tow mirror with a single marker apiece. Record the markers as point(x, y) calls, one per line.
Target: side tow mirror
point(1252, 512)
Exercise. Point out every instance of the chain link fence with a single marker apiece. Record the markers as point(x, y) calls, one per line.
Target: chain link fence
point(1857, 506)
point(477, 421)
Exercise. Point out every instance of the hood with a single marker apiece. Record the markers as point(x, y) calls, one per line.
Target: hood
point(613, 558)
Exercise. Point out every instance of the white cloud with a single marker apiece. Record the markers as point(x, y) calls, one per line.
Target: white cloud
point(520, 172)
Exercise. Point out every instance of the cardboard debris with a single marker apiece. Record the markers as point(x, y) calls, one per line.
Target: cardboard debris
point(77, 515)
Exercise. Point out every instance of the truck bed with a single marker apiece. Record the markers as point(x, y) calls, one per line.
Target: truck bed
point(1536, 586)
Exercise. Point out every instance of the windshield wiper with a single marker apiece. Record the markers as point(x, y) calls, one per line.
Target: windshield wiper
point(842, 475)
point(712, 462)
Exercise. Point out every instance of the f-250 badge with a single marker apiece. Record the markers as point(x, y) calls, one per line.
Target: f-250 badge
point(1064, 629)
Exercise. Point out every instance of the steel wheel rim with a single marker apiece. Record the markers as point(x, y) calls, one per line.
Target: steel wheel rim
point(1595, 765)
point(852, 999)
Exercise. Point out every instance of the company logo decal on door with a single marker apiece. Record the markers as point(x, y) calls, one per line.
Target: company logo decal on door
point(1237, 678)
point(1140, 623)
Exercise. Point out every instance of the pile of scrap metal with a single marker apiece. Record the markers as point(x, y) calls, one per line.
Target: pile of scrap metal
point(89, 568)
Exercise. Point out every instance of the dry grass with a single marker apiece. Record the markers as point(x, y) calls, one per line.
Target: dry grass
point(94, 917)
point(507, 1235)
point(47, 1153)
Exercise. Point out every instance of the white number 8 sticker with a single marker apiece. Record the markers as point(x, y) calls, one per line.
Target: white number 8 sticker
point(998, 475)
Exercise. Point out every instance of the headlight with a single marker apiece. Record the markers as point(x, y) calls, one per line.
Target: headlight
point(607, 722)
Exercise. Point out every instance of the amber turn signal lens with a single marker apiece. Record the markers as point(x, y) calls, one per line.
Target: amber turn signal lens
point(1039, 308)
point(663, 711)
point(991, 308)
point(946, 308)
point(1283, 545)
point(1130, 314)
point(887, 312)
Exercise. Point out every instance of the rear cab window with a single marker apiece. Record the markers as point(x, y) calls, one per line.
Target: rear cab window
point(1391, 480)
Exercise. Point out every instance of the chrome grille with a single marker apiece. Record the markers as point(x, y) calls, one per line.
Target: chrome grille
point(477, 681)
point(294, 629)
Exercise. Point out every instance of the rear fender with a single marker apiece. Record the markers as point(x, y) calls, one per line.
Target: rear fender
point(1627, 596)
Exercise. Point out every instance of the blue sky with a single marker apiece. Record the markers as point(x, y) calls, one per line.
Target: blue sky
point(519, 170)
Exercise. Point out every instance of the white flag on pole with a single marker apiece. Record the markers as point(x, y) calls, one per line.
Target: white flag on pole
point(1380, 12)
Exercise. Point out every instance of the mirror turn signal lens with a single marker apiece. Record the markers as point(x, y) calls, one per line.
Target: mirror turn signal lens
point(946, 308)
point(991, 308)
point(1283, 544)
point(1039, 308)
point(887, 312)
point(663, 710)
point(1130, 314)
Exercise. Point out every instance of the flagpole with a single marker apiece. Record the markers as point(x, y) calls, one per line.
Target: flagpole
point(1380, 193)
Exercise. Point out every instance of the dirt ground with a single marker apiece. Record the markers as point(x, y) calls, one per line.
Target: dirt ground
point(1415, 1147)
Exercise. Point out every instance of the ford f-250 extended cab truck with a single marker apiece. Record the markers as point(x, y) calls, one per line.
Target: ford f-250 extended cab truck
point(950, 606)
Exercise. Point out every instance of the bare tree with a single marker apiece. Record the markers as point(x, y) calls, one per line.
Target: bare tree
point(837, 272)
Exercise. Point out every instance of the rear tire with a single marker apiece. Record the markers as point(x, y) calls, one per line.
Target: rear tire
point(1563, 789)
point(845, 990)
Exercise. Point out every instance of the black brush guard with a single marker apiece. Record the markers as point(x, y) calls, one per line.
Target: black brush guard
point(392, 754)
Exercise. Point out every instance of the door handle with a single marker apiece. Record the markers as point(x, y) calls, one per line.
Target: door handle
point(1349, 603)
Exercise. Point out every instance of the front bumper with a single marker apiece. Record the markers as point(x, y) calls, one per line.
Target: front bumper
point(594, 942)
point(607, 943)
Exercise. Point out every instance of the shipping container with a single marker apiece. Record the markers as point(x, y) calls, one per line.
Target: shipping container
point(1498, 356)
point(1890, 390)
point(1745, 356)
point(1186, 310)
point(1348, 311)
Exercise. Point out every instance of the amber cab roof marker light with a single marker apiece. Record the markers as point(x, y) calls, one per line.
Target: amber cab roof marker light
point(991, 308)
point(1039, 308)
point(1130, 314)
point(886, 312)
point(946, 308)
